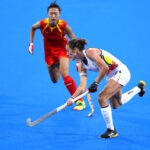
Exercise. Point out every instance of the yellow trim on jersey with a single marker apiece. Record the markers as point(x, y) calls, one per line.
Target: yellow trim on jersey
point(45, 28)
point(59, 30)
point(119, 77)
point(52, 28)
point(108, 60)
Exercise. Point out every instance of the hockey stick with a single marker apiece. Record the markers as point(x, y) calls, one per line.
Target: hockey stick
point(31, 124)
point(91, 105)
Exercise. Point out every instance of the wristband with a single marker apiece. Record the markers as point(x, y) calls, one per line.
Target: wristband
point(83, 74)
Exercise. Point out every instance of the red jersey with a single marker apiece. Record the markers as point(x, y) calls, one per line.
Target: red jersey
point(54, 37)
point(54, 41)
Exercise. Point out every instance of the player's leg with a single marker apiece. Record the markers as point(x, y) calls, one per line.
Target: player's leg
point(115, 100)
point(120, 99)
point(110, 89)
point(139, 89)
point(123, 77)
point(52, 65)
point(69, 81)
point(54, 72)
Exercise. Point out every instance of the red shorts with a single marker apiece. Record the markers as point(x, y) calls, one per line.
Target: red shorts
point(53, 56)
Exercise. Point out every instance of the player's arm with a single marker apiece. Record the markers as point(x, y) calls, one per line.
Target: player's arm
point(94, 54)
point(83, 83)
point(69, 32)
point(83, 80)
point(32, 34)
point(33, 29)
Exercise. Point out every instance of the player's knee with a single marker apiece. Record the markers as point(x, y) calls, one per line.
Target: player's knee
point(102, 99)
point(114, 107)
point(54, 81)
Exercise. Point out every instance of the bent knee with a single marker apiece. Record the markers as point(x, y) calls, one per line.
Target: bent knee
point(115, 106)
point(54, 80)
point(102, 99)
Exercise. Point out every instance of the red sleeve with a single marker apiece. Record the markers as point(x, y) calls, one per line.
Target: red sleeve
point(62, 23)
point(43, 23)
point(65, 23)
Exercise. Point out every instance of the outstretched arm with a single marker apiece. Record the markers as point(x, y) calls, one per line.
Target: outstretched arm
point(83, 84)
point(32, 33)
point(94, 54)
point(33, 29)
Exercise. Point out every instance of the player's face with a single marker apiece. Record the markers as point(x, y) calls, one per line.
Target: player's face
point(53, 14)
point(71, 53)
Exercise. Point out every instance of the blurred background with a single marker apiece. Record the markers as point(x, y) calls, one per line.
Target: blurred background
point(121, 27)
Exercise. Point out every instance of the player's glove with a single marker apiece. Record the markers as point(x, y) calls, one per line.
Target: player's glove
point(31, 48)
point(93, 87)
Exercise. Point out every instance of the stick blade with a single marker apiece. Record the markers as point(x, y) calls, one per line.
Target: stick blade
point(29, 122)
point(90, 114)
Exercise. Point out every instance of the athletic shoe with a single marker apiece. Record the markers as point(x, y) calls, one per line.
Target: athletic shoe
point(141, 85)
point(80, 105)
point(109, 134)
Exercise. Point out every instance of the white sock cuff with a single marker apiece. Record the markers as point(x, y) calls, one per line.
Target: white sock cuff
point(105, 108)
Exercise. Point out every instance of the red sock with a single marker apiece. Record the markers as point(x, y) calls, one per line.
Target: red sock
point(70, 85)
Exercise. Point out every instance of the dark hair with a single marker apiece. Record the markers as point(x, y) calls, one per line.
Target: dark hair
point(54, 5)
point(78, 43)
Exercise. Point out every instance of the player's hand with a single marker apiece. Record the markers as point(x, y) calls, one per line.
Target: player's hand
point(31, 48)
point(93, 87)
point(69, 102)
